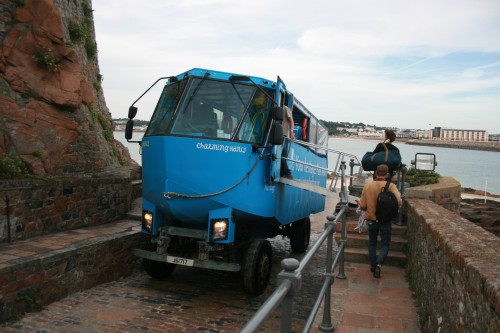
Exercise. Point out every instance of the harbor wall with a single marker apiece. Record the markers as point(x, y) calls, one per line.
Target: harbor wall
point(471, 145)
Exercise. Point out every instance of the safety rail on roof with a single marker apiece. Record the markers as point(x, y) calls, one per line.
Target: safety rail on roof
point(290, 278)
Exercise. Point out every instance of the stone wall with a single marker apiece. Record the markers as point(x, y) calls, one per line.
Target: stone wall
point(446, 193)
point(453, 269)
point(43, 206)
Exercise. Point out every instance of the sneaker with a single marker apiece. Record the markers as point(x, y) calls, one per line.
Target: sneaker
point(372, 269)
point(376, 272)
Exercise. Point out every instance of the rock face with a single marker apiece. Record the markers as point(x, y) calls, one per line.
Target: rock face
point(53, 115)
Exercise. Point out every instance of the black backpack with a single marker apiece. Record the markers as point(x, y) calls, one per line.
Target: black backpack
point(387, 204)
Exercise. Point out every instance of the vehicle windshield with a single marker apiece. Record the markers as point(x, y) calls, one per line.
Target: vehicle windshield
point(165, 108)
point(223, 110)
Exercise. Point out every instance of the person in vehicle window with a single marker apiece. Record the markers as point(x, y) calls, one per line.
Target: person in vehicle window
point(255, 120)
point(227, 124)
point(288, 125)
point(206, 119)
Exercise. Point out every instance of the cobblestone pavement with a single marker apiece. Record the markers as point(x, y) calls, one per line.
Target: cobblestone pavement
point(197, 300)
point(191, 300)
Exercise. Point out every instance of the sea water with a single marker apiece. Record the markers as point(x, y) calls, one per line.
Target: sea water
point(472, 168)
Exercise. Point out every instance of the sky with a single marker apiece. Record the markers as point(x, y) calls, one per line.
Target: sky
point(395, 63)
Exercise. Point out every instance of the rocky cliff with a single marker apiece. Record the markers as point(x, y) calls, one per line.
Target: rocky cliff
point(54, 118)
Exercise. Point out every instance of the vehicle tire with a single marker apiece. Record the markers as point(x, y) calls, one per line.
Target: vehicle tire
point(300, 234)
point(256, 268)
point(157, 269)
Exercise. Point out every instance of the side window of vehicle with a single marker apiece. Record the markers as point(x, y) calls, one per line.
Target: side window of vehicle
point(254, 124)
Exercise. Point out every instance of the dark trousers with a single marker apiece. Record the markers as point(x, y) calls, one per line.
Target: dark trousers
point(374, 229)
point(285, 171)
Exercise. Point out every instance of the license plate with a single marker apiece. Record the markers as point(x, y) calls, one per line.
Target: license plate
point(180, 261)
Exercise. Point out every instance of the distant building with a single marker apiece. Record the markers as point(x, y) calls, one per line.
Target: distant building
point(448, 134)
point(494, 137)
point(370, 132)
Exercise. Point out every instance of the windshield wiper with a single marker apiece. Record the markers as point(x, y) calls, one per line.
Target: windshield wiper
point(197, 87)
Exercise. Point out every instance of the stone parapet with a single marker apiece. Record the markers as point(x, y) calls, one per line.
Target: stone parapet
point(446, 193)
point(453, 269)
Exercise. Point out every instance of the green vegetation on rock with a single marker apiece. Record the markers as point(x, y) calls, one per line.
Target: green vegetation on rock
point(13, 168)
point(45, 59)
point(82, 32)
point(418, 177)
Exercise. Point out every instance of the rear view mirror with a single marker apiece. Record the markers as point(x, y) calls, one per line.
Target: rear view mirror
point(128, 129)
point(277, 134)
point(132, 111)
point(424, 161)
point(278, 113)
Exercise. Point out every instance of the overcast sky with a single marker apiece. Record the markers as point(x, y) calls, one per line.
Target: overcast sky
point(406, 64)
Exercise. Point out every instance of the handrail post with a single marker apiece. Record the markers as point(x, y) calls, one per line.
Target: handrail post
point(289, 266)
point(343, 238)
point(403, 193)
point(351, 164)
point(326, 324)
point(398, 178)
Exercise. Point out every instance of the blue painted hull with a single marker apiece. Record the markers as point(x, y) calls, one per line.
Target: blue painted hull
point(225, 174)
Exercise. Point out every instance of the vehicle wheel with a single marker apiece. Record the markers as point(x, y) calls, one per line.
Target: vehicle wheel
point(256, 268)
point(157, 269)
point(300, 234)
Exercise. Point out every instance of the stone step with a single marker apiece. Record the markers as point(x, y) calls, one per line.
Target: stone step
point(357, 244)
point(359, 255)
point(362, 240)
point(352, 224)
point(135, 212)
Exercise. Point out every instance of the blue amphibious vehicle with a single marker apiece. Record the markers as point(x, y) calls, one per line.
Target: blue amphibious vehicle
point(212, 159)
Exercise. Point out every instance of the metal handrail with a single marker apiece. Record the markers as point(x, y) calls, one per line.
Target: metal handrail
point(289, 280)
point(341, 158)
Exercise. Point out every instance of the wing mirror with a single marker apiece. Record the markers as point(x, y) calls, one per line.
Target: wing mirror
point(128, 129)
point(278, 113)
point(277, 134)
point(132, 111)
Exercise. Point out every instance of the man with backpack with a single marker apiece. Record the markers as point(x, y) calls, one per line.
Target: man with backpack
point(381, 200)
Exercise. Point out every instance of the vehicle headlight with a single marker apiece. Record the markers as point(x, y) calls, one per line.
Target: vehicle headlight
point(147, 220)
point(218, 229)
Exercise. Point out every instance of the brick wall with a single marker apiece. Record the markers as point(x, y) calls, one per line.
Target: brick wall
point(43, 206)
point(103, 254)
point(453, 269)
point(35, 271)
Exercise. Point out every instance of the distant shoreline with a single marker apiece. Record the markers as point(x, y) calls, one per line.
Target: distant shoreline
point(469, 145)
